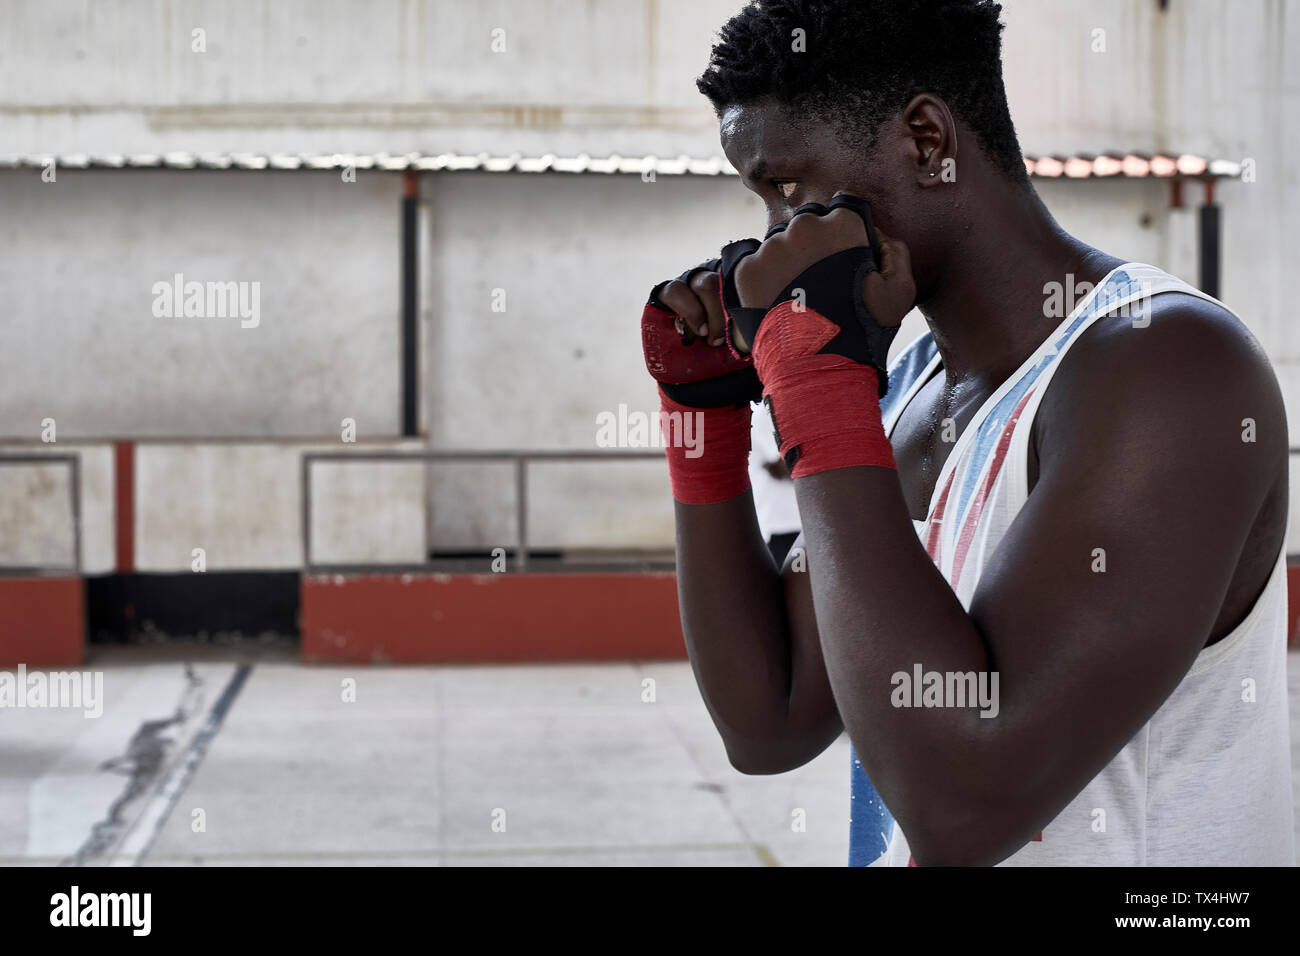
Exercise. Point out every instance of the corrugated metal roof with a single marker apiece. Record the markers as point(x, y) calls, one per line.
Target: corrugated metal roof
point(1079, 166)
point(514, 163)
point(1130, 165)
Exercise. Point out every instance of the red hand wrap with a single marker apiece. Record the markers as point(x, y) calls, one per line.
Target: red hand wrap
point(825, 406)
point(708, 451)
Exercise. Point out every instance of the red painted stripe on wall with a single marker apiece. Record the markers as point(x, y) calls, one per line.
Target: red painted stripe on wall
point(470, 618)
point(42, 621)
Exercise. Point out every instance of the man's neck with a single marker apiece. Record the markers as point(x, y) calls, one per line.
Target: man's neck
point(988, 313)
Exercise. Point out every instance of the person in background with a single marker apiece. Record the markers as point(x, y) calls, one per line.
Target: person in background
point(774, 500)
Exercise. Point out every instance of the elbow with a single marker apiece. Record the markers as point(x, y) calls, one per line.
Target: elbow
point(758, 764)
point(770, 757)
point(982, 809)
point(778, 745)
point(974, 834)
point(948, 849)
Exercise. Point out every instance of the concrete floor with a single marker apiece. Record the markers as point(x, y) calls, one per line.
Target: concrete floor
point(240, 755)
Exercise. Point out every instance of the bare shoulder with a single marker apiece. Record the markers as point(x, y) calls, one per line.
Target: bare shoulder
point(1185, 373)
point(1176, 424)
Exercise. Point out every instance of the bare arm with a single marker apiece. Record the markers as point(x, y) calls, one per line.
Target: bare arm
point(752, 640)
point(1146, 460)
point(750, 630)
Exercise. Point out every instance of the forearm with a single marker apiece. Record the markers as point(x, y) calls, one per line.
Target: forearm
point(883, 608)
point(756, 660)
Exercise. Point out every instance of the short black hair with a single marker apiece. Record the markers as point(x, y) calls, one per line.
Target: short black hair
point(863, 61)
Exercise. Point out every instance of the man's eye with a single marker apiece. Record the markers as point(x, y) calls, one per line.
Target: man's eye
point(786, 189)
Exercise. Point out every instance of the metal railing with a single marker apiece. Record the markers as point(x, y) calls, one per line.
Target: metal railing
point(521, 460)
point(74, 493)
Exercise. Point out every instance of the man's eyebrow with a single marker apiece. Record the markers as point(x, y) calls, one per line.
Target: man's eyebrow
point(758, 171)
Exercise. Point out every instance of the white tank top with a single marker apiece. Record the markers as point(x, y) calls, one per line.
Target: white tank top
point(1207, 781)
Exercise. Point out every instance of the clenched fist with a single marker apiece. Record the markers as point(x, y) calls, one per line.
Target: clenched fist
point(829, 259)
point(683, 334)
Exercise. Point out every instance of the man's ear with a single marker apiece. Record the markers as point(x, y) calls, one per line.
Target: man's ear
point(932, 144)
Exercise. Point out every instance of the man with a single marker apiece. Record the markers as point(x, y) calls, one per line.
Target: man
point(1051, 619)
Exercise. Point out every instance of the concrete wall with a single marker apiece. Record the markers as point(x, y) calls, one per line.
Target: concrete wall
point(80, 274)
point(397, 75)
point(574, 255)
point(578, 75)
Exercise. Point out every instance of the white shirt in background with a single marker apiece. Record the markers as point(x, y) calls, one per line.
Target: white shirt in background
point(774, 501)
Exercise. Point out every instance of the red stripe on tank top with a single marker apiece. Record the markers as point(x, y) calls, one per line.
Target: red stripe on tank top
point(969, 526)
point(933, 540)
